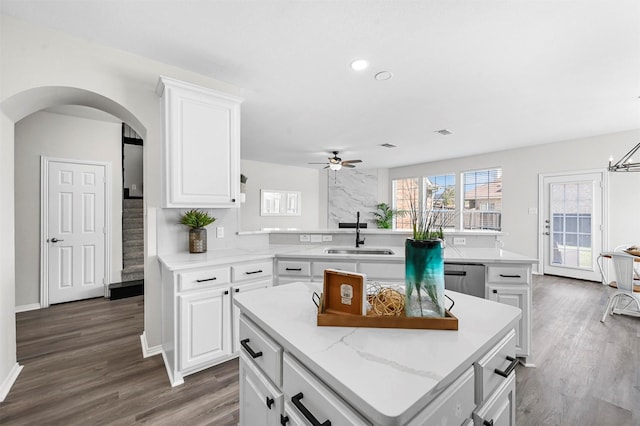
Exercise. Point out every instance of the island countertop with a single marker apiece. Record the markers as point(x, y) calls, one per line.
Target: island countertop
point(387, 374)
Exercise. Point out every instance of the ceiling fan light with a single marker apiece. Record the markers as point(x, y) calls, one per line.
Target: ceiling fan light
point(335, 166)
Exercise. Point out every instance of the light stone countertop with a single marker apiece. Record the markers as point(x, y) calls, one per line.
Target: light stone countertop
point(387, 374)
point(180, 261)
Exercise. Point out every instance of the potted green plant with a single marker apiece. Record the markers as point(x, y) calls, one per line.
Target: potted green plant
point(196, 220)
point(384, 215)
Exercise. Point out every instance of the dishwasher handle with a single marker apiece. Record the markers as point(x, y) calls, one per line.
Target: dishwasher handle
point(456, 273)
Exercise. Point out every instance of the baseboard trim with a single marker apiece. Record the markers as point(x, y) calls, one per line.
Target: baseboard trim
point(8, 382)
point(146, 350)
point(29, 307)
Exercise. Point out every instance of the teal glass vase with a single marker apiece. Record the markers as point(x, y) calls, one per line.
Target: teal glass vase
point(424, 278)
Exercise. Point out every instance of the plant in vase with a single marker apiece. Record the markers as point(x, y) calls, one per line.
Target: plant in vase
point(424, 262)
point(197, 220)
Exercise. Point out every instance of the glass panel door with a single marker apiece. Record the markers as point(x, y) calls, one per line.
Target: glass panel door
point(573, 217)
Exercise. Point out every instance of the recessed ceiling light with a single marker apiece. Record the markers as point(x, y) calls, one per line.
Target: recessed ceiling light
point(383, 75)
point(359, 64)
point(444, 132)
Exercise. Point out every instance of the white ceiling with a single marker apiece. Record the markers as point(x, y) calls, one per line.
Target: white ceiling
point(498, 74)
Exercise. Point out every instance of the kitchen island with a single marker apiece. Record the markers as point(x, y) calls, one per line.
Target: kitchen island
point(291, 369)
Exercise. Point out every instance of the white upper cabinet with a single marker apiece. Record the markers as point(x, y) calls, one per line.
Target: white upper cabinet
point(201, 146)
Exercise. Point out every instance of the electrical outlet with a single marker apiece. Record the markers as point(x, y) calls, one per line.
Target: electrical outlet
point(220, 232)
point(316, 238)
point(533, 210)
point(459, 241)
point(305, 238)
point(327, 238)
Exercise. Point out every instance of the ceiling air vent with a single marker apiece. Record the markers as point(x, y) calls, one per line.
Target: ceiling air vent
point(388, 145)
point(444, 132)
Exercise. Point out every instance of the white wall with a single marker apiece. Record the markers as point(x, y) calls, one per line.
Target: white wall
point(281, 177)
point(133, 159)
point(520, 170)
point(40, 68)
point(59, 136)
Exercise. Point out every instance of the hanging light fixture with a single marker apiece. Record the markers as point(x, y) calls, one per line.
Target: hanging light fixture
point(335, 166)
point(626, 163)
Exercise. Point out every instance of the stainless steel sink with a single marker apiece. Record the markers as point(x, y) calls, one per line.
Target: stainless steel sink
point(358, 251)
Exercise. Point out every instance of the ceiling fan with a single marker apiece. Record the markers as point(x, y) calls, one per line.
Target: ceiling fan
point(336, 163)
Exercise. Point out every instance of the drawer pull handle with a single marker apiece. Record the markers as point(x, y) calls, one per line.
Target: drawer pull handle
point(207, 279)
point(245, 345)
point(488, 422)
point(226, 292)
point(253, 272)
point(509, 369)
point(237, 290)
point(296, 399)
point(270, 402)
point(510, 276)
point(284, 420)
point(293, 269)
point(456, 273)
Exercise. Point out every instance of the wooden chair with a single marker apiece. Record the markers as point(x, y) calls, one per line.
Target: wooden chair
point(623, 267)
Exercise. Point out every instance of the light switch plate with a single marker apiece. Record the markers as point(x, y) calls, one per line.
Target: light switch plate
point(220, 232)
point(327, 238)
point(305, 238)
point(316, 238)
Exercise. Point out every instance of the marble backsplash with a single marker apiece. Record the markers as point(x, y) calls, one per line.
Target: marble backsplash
point(350, 191)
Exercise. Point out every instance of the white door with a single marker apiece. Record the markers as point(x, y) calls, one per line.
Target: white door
point(75, 217)
point(573, 224)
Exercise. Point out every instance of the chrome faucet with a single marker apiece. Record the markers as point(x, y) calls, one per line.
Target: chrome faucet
point(358, 240)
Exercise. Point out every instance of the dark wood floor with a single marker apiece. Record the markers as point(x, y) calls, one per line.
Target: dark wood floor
point(83, 366)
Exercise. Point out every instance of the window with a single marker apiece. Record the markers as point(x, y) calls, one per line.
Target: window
point(439, 197)
point(405, 193)
point(280, 203)
point(483, 199)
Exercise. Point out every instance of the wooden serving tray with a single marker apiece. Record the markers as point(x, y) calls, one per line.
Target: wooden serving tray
point(449, 322)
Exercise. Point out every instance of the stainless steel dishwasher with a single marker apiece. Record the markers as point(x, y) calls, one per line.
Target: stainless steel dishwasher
point(467, 278)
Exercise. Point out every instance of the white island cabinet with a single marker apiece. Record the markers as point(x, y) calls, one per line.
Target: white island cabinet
point(293, 372)
point(201, 146)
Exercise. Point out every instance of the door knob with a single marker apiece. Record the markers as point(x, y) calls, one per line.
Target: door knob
point(55, 240)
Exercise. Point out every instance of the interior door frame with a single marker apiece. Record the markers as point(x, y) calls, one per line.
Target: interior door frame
point(605, 209)
point(44, 223)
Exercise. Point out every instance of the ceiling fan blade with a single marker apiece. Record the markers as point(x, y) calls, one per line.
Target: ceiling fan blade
point(350, 166)
point(352, 161)
point(325, 167)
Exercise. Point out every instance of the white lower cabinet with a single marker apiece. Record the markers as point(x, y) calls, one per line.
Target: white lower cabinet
point(263, 403)
point(204, 327)
point(291, 417)
point(199, 320)
point(520, 297)
point(312, 400)
point(500, 408)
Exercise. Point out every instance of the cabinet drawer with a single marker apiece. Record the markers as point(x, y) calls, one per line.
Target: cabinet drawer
point(508, 274)
point(262, 403)
point(291, 268)
point(501, 357)
point(203, 278)
point(311, 398)
point(317, 268)
point(251, 271)
point(383, 271)
point(261, 349)
point(452, 406)
point(500, 408)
